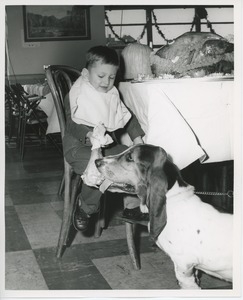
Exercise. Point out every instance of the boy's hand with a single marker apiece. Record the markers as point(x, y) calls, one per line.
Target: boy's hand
point(88, 138)
point(138, 140)
point(99, 138)
point(97, 134)
point(99, 130)
point(91, 139)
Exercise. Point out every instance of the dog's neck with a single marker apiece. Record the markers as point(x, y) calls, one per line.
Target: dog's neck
point(177, 191)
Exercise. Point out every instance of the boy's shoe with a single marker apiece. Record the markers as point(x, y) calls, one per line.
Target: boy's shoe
point(80, 219)
point(135, 214)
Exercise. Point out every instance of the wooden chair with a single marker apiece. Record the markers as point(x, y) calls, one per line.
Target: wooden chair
point(13, 107)
point(60, 79)
point(30, 115)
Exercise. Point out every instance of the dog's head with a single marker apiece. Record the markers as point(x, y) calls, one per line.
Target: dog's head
point(146, 171)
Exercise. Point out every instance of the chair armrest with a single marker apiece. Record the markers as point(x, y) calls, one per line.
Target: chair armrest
point(34, 98)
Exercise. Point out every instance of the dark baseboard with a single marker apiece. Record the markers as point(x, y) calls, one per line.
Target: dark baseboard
point(25, 78)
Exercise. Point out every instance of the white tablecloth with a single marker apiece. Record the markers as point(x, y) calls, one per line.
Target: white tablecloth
point(46, 104)
point(190, 118)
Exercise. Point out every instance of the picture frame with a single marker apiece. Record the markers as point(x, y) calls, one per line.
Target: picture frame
point(56, 23)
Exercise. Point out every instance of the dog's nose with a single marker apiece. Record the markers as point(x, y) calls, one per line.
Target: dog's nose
point(99, 162)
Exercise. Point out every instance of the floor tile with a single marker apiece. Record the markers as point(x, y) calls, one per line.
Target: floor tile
point(74, 271)
point(15, 174)
point(41, 224)
point(8, 200)
point(48, 187)
point(111, 248)
point(22, 272)
point(57, 205)
point(15, 237)
point(33, 190)
point(209, 282)
point(44, 166)
point(111, 233)
point(32, 198)
point(157, 272)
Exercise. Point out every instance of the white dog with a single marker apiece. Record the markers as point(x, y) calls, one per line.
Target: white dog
point(194, 234)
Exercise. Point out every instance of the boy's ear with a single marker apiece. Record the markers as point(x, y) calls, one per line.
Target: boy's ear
point(85, 73)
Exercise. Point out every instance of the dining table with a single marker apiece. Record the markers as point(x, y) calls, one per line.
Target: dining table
point(191, 118)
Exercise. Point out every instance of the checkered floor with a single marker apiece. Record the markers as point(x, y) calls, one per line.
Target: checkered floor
point(33, 212)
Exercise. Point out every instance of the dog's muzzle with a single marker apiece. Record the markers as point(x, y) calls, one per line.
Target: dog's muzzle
point(125, 187)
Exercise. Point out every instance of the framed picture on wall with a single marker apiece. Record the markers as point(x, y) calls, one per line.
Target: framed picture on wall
point(56, 23)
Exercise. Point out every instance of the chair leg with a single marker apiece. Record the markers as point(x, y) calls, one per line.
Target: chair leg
point(19, 130)
point(12, 130)
point(22, 139)
point(102, 212)
point(130, 235)
point(131, 245)
point(100, 222)
point(61, 186)
point(65, 217)
point(73, 203)
point(67, 212)
point(98, 228)
point(11, 124)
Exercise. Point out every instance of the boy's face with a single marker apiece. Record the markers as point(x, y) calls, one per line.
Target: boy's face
point(102, 76)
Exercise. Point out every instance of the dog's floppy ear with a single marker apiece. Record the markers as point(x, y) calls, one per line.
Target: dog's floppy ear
point(157, 178)
point(160, 178)
point(157, 186)
point(173, 174)
point(156, 201)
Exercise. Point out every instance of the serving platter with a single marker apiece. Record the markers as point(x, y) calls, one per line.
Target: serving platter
point(187, 79)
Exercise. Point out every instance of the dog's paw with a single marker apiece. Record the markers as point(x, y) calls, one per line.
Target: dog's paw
point(144, 208)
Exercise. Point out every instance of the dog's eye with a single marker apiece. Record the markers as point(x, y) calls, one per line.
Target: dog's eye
point(129, 157)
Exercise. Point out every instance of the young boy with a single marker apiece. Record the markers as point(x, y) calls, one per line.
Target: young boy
point(94, 100)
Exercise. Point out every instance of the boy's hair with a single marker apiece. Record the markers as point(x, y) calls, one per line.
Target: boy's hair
point(101, 53)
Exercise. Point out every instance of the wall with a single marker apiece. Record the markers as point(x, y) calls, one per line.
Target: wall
point(31, 60)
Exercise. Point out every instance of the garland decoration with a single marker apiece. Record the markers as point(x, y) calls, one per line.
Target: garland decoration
point(157, 27)
point(159, 31)
point(143, 32)
point(209, 25)
point(120, 38)
point(201, 13)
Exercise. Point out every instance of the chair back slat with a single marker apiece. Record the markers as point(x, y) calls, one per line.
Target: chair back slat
point(60, 79)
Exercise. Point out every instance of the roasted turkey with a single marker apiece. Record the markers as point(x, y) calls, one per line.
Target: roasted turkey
point(194, 54)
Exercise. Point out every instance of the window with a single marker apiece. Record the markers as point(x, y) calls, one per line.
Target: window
point(128, 24)
point(157, 24)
